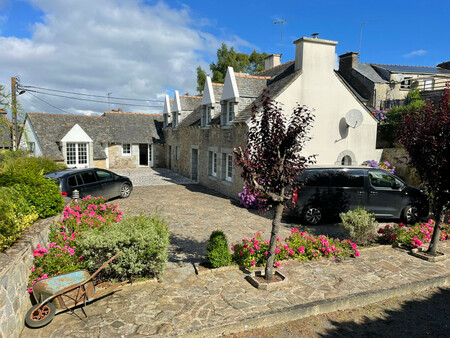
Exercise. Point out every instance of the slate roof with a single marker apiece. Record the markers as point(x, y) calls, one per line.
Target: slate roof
point(366, 70)
point(190, 102)
point(193, 119)
point(111, 127)
point(250, 86)
point(282, 76)
point(5, 134)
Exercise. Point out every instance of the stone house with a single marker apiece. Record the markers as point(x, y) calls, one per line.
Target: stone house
point(200, 145)
point(115, 140)
point(381, 85)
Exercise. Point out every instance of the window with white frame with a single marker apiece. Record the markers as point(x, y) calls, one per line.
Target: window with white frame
point(228, 112)
point(206, 115)
point(212, 163)
point(406, 83)
point(126, 149)
point(228, 167)
point(76, 154)
point(175, 119)
point(31, 147)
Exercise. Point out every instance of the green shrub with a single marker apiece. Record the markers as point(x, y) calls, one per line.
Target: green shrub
point(217, 251)
point(15, 161)
point(40, 192)
point(15, 216)
point(360, 224)
point(143, 241)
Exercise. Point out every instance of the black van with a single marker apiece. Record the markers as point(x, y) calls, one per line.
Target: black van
point(328, 191)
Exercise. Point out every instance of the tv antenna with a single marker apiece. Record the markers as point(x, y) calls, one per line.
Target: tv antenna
point(281, 22)
point(360, 36)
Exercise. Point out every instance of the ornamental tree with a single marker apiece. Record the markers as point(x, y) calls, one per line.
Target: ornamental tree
point(271, 160)
point(426, 137)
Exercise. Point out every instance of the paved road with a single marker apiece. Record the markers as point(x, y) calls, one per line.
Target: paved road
point(150, 176)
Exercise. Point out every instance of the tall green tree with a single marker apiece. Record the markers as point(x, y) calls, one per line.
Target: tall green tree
point(228, 57)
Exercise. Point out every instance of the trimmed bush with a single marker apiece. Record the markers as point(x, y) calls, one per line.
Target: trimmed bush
point(143, 241)
point(40, 192)
point(360, 225)
point(15, 161)
point(217, 251)
point(15, 216)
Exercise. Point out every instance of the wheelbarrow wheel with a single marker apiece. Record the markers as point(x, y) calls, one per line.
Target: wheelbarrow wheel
point(40, 315)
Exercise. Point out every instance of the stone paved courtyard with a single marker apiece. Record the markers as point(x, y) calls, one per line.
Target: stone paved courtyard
point(224, 302)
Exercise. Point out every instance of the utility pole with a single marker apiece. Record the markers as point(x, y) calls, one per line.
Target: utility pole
point(109, 102)
point(15, 136)
point(360, 36)
point(281, 22)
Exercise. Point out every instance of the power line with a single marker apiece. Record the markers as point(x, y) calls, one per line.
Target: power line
point(89, 100)
point(92, 95)
point(48, 103)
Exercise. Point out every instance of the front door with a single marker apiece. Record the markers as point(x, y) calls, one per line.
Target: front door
point(194, 165)
point(143, 155)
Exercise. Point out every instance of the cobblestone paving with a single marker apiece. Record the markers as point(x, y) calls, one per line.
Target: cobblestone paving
point(150, 176)
point(185, 301)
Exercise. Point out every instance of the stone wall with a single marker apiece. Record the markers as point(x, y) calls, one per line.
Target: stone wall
point(398, 157)
point(118, 161)
point(215, 138)
point(15, 269)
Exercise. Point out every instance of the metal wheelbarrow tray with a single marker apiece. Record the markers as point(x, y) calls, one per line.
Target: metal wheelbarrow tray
point(64, 292)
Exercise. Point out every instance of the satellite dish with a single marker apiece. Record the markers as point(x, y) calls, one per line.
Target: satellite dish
point(399, 77)
point(354, 118)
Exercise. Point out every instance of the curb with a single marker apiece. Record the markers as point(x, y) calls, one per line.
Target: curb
point(316, 308)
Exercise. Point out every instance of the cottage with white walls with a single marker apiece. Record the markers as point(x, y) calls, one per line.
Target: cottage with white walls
point(115, 140)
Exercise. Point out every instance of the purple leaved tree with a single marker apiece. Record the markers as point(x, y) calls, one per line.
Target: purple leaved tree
point(271, 160)
point(426, 137)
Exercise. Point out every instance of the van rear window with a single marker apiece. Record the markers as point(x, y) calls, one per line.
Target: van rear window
point(317, 178)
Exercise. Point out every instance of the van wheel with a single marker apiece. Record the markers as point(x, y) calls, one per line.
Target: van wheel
point(312, 215)
point(125, 190)
point(410, 214)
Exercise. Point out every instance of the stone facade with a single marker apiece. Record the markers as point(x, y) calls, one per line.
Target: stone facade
point(15, 268)
point(119, 161)
point(183, 141)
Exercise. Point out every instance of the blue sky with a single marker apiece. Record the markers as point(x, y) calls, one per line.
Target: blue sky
point(145, 49)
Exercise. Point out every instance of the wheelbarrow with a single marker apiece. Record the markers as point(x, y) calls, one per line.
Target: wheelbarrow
point(64, 292)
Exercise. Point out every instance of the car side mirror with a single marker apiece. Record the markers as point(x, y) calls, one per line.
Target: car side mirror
point(395, 185)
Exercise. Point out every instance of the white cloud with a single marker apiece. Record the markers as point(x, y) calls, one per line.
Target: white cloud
point(418, 52)
point(126, 48)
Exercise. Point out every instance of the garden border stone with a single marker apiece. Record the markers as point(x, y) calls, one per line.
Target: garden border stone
point(265, 286)
point(420, 253)
point(15, 268)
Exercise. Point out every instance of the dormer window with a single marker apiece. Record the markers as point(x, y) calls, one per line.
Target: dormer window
point(166, 120)
point(175, 120)
point(228, 112)
point(206, 115)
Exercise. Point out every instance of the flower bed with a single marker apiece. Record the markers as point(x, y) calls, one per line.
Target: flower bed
point(146, 236)
point(300, 245)
point(413, 236)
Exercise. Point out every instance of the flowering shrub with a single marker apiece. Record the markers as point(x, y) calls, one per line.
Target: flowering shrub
point(89, 213)
point(62, 254)
point(299, 245)
point(380, 115)
point(379, 165)
point(411, 237)
point(249, 200)
point(58, 258)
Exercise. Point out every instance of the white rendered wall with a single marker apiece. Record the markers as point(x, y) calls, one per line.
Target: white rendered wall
point(318, 87)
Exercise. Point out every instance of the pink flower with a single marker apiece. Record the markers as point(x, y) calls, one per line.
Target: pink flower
point(277, 263)
point(357, 254)
point(301, 249)
point(266, 253)
point(253, 262)
point(277, 251)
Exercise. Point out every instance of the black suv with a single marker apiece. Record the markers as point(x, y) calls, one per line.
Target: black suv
point(91, 181)
point(331, 190)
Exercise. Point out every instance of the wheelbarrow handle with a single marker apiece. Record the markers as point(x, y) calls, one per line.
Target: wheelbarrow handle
point(104, 264)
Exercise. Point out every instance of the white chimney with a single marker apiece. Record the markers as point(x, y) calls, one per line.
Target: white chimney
point(313, 54)
point(271, 61)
